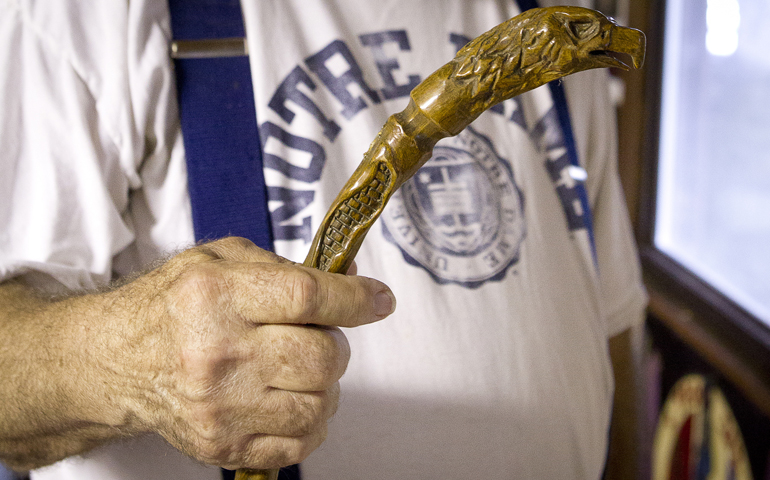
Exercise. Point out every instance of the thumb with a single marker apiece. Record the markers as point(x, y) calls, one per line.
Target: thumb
point(353, 300)
point(287, 293)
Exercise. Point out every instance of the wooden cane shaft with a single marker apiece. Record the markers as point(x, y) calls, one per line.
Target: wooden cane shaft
point(248, 474)
point(529, 50)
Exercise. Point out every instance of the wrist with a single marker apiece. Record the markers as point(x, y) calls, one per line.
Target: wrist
point(113, 387)
point(59, 396)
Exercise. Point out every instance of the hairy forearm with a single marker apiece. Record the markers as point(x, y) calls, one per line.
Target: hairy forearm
point(229, 352)
point(53, 400)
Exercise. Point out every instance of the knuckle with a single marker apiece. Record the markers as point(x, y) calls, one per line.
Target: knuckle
point(293, 450)
point(341, 350)
point(303, 292)
point(199, 308)
point(206, 422)
point(329, 363)
point(277, 457)
point(302, 449)
point(314, 378)
point(233, 244)
point(237, 242)
point(207, 443)
point(199, 254)
point(314, 355)
point(212, 452)
point(199, 284)
point(307, 415)
point(211, 436)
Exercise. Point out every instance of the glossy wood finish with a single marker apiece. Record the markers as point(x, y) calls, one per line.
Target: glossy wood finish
point(523, 53)
point(527, 51)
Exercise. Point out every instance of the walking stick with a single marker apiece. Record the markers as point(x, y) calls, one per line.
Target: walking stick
point(527, 51)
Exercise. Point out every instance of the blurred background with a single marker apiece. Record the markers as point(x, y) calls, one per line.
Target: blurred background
point(695, 165)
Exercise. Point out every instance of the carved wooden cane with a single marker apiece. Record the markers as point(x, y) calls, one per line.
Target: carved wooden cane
point(527, 51)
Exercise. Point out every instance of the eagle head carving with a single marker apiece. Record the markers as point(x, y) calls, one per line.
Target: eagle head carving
point(529, 50)
point(571, 39)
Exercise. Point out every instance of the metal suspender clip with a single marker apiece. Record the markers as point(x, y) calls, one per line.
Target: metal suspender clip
point(209, 48)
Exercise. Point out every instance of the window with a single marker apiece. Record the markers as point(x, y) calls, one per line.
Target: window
point(712, 208)
point(704, 216)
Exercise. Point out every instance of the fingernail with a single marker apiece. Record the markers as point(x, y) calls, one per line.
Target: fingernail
point(384, 303)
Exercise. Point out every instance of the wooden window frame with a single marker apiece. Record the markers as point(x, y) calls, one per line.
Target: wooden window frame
point(728, 337)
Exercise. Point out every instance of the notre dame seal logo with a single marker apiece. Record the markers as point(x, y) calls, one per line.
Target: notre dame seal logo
point(461, 217)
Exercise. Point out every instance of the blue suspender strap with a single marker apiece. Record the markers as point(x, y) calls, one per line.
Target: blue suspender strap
point(526, 4)
point(562, 112)
point(219, 127)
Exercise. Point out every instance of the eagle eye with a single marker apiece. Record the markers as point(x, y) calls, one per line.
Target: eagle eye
point(581, 29)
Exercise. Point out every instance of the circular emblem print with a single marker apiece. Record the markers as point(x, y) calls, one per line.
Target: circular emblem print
point(461, 217)
point(698, 436)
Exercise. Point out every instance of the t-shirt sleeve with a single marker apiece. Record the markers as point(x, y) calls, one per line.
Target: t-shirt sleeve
point(63, 192)
point(93, 181)
point(622, 292)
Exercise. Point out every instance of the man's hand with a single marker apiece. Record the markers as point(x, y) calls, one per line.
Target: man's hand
point(230, 352)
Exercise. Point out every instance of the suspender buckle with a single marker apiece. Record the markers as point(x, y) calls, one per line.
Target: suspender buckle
point(209, 48)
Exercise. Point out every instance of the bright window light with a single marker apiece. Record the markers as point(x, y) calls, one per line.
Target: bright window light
point(713, 205)
point(723, 21)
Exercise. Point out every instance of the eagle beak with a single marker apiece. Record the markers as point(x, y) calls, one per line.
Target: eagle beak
point(628, 41)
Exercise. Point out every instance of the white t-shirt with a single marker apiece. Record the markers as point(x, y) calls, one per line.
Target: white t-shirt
point(495, 364)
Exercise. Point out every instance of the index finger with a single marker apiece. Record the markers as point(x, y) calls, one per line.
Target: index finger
point(238, 249)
